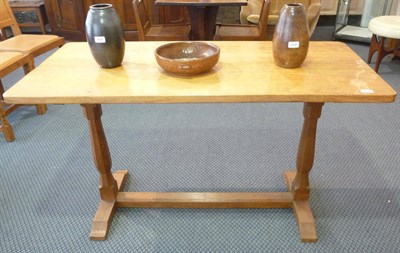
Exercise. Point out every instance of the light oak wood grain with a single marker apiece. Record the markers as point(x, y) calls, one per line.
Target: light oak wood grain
point(205, 199)
point(302, 212)
point(106, 209)
point(332, 72)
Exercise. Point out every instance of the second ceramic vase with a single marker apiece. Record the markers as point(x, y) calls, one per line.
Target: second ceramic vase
point(105, 35)
point(291, 36)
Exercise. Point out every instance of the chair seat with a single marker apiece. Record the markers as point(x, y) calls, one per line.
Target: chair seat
point(10, 61)
point(165, 32)
point(31, 43)
point(254, 19)
point(240, 32)
point(7, 59)
point(385, 26)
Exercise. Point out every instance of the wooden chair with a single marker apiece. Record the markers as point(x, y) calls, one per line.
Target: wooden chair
point(245, 32)
point(249, 13)
point(10, 61)
point(149, 32)
point(34, 44)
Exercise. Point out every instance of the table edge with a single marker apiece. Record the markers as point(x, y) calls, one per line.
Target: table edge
point(201, 99)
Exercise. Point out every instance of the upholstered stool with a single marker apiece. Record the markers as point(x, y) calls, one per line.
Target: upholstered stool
point(383, 27)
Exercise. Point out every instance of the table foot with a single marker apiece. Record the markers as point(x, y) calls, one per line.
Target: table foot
point(102, 220)
point(303, 213)
point(301, 208)
point(105, 211)
point(305, 221)
point(120, 176)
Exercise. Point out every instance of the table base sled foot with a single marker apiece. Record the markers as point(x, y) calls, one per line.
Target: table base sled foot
point(105, 211)
point(303, 213)
point(301, 208)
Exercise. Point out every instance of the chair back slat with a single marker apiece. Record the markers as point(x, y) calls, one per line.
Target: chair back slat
point(7, 18)
point(142, 20)
point(263, 22)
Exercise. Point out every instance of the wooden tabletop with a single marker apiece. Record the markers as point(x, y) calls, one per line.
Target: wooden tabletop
point(246, 72)
point(202, 2)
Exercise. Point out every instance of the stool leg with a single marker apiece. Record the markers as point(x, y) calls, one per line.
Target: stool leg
point(395, 45)
point(382, 52)
point(378, 45)
point(373, 47)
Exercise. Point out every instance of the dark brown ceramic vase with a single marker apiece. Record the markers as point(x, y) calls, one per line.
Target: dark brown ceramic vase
point(105, 35)
point(291, 36)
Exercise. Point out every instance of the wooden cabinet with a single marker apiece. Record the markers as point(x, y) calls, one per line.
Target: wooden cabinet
point(125, 11)
point(30, 14)
point(173, 15)
point(67, 17)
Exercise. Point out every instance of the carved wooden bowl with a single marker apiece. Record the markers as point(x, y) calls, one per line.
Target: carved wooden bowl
point(188, 58)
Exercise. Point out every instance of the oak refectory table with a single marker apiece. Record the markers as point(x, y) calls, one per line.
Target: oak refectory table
point(332, 72)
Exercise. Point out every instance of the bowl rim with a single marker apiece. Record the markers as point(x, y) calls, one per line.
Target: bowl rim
point(186, 42)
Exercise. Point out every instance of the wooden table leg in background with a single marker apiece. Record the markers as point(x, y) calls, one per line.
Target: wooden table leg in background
point(202, 21)
point(298, 181)
point(109, 184)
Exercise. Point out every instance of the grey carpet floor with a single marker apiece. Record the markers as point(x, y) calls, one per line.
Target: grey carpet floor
point(48, 182)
